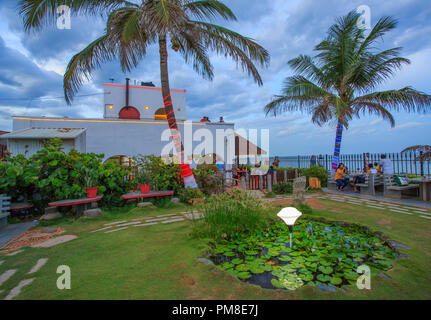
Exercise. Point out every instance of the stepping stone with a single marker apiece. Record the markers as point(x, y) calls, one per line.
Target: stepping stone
point(51, 216)
point(175, 200)
point(145, 204)
point(326, 288)
point(397, 245)
point(126, 224)
point(375, 207)
point(206, 261)
point(398, 211)
point(417, 209)
point(146, 224)
point(384, 276)
point(55, 241)
point(422, 213)
point(91, 213)
point(172, 221)
point(425, 217)
point(103, 229)
point(402, 256)
point(1, 262)
point(157, 220)
point(142, 219)
point(116, 230)
point(17, 290)
point(114, 223)
point(40, 263)
point(14, 253)
point(167, 215)
point(194, 216)
point(6, 276)
point(49, 230)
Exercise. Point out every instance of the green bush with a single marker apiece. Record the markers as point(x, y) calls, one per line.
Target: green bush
point(305, 209)
point(208, 180)
point(316, 172)
point(230, 214)
point(186, 195)
point(51, 174)
point(163, 176)
point(283, 188)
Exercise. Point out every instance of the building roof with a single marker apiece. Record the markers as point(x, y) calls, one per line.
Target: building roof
point(45, 133)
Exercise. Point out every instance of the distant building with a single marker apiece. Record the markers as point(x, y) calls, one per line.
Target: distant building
point(134, 123)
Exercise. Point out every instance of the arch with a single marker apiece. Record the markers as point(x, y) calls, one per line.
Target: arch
point(130, 113)
point(161, 115)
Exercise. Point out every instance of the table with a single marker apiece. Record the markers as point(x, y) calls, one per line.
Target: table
point(154, 194)
point(80, 204)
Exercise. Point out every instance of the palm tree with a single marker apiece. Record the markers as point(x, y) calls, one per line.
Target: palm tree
point(131, 28)
point(338, 83)
point(424, 151)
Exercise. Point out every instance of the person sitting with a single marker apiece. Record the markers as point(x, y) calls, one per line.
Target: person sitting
point(359, 178)
point(377, 167)
point(221, 120)
point(372, 169)
point(340, 177)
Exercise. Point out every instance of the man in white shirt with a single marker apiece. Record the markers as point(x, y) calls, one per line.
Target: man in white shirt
point(386, 165)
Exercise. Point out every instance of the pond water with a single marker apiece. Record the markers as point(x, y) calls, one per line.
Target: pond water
point(322, 253)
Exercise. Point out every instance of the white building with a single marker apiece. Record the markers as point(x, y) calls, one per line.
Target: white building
point(134, 123)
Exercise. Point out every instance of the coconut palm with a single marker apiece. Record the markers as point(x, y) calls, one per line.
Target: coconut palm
point(339, 83)
point(131, 28)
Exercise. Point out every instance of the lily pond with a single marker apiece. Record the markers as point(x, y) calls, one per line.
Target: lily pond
point(323, 253)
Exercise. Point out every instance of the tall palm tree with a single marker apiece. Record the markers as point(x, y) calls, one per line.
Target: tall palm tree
point(131, 28)
point(338, 83)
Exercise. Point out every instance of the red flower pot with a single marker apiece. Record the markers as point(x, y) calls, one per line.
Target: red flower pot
point(145, 188)
point(92, 192)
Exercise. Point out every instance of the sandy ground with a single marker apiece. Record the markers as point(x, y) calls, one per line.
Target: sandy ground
point(30, 238)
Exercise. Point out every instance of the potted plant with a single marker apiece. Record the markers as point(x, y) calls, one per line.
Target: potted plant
point(91, 183)
point(144, 181)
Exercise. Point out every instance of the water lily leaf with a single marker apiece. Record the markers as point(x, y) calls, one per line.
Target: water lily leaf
point(243, 275)
point(237, 261)
point(306, 276)
point(336, 281)
point(229, 254)
point(326, 270)
point(242, 268)
point(323, 278)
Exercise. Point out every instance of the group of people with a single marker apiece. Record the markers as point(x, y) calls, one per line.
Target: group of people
point(342, 177)
point(207, 119)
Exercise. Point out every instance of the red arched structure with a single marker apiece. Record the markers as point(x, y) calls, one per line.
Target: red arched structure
point(130, 113)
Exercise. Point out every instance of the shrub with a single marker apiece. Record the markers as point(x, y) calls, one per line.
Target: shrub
point(208, 180)
point(164, 176)
point(270, 195)
point(186, 195)
point(283, 188)
point(230, 214)
point(316, 172)
point(305, 209)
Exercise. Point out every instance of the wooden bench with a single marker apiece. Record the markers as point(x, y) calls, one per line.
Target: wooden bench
point(371, 182)
point(393, 191)
point(4, 210)
point(154, 194)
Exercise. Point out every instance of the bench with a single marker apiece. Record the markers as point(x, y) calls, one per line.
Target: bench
point(138, 195)
point(371, 182)
point(393, 191)
point(81, 205)
point(4, 210)
point(332, 184)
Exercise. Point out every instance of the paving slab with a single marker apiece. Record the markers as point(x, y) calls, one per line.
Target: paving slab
point(142, 219)
point(425, 217)
point(6, 276)
point(117, 230)
point(55, 241)
point(17, 290)
point(1, 262)
point(114, 223)
point(12, 231)
point(398, 211)
point(14, 253)
point(40, 263)
point(146, 224)
point(127, 224)
point(172, 221)
point(157, 220)
point(103, 229)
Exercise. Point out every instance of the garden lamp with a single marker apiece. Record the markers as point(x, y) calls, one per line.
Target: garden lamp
point(289, 216)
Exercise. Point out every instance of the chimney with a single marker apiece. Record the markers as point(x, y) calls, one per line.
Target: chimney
point(127, 91)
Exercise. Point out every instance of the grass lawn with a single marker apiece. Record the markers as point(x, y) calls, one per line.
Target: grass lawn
point(159, 262)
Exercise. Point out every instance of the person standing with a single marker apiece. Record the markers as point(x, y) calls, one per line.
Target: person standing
point(386, 165)
point(313, 161)
point(276, 162)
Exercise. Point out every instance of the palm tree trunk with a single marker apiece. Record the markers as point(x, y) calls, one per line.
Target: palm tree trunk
point(189, 179)
point(337, 150)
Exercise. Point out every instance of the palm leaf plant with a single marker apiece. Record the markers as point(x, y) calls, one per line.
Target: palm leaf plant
point(340, 82)
point(131, 28)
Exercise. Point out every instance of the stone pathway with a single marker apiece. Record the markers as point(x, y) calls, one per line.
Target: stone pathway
point(55, 241)
point(24, 282)
point(113, 227)
point(379, 205)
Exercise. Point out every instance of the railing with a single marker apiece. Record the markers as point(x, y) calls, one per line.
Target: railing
point(408, 162)
point(265, 182)
point(4, 209)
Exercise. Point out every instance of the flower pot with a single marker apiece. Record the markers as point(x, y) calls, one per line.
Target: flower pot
point(92, 192)
point(145, 188)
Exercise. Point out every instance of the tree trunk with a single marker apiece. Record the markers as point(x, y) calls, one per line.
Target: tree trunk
point(187, 173)
point(337, 150)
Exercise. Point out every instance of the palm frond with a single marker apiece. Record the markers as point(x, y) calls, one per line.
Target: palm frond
point(209, 9)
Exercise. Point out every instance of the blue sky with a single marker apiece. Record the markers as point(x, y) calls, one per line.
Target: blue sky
point(31, 68)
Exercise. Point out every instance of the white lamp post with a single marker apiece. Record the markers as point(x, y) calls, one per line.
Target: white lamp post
point(289, 216)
